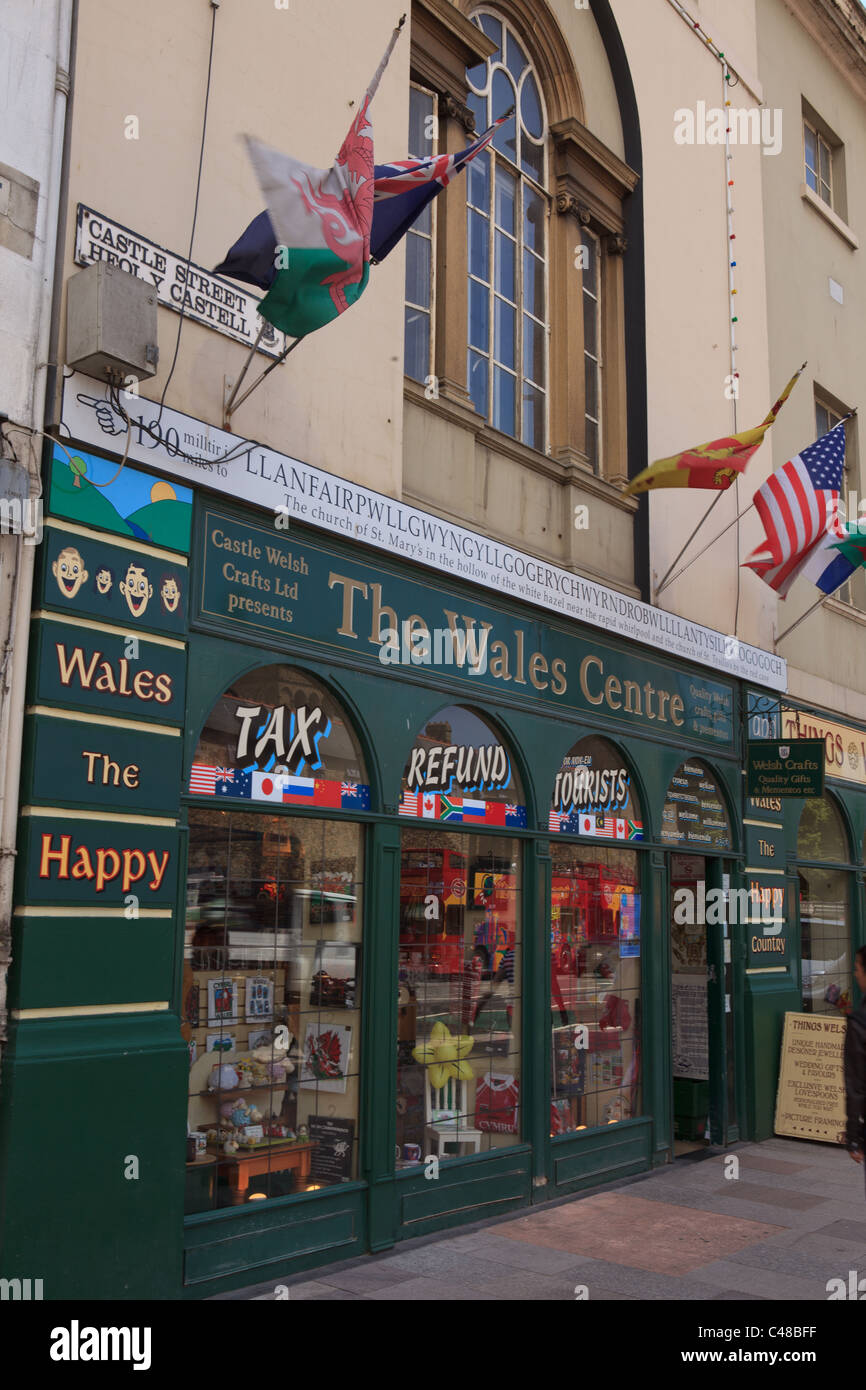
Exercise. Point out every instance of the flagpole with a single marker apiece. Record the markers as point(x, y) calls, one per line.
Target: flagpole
point(227, 408)
point(259, 379)
point(802, 619)
point(684, 548)
point(724, 532)
point(765, 423)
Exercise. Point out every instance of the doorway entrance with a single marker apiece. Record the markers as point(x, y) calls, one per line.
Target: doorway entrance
point(703, 1012)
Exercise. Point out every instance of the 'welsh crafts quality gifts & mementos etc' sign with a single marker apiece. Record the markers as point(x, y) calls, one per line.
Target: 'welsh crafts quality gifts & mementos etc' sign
point(280, 586)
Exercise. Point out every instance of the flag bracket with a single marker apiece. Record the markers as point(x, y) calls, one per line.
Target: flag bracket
point(234, 399)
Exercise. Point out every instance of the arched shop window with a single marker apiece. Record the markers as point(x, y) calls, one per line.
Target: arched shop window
point(460, 960)
point(594, 795)
point(595, 941)
point(273, 945)
point(694, 814)
point(825, 912)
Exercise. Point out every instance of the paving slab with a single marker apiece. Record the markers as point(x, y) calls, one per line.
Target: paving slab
point(628, 1230)
point(767, 1284)
point(793, 1219)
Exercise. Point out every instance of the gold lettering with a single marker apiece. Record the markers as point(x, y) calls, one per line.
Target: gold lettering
point(584, 667)
point(351, 587)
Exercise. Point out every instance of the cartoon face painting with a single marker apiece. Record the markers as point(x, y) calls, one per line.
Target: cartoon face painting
point(136, 590)
point(104, 580)
point(68, 569)
point(169, 593)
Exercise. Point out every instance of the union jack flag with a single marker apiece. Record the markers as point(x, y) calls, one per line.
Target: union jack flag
point(225, 774)
point(403, 189)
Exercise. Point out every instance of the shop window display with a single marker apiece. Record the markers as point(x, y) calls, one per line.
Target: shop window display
point(273, 946)
point(595, 942)
point(825, 927)
point(460, 966)
point(594, 986)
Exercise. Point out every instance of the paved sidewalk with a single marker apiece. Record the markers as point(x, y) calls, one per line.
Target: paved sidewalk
point(794, 1218)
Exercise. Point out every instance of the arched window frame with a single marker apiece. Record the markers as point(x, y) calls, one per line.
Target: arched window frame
point(508, 323)
point(588, 184)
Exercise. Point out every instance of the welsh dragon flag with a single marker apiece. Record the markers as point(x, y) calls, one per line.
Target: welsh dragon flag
point(323, 219)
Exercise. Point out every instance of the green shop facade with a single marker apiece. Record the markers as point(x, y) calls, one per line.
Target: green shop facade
point(323, 942)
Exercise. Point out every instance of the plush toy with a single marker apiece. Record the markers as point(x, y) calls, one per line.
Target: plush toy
point(245, 1074)
point(255, 1115)
point(443, 1055)
point(223, 1078)
point(240, 1115)
point(275, 1060)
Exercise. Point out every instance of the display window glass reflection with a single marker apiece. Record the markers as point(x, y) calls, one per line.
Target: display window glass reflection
point(459, 994)
point(272, 980)
point(825, 913)
point(273, 943)
point(595, 986)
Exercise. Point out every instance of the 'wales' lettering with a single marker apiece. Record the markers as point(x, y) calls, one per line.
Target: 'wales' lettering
point(111, 676)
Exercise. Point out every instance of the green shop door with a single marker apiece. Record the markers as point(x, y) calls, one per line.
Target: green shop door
point(704, 1005)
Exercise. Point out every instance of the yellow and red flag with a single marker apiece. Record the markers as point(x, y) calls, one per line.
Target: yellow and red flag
point(714, 465)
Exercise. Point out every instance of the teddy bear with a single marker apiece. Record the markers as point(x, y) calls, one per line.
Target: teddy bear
point(275, 1060)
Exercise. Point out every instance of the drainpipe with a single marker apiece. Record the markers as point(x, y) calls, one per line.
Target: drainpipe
point(14, 656)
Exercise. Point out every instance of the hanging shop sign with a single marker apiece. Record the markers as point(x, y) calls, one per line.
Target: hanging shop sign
point(764, 714)
point(286, 587)
point(89, 864)
point(135, 589)
point(810, 1101)
point(193, 450)
point(125, 676)
point(179, 284)
point(791, 768)
point(91, 761)
point(844, 746)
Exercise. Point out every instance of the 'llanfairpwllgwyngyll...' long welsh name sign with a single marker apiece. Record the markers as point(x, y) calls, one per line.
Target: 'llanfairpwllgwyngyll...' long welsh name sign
point(265, 478)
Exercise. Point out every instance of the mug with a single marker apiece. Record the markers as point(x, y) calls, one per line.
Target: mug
point(412, 1153)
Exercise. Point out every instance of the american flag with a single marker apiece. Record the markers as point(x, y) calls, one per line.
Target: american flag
point(798, 505)
point(556, 820)
point(202, 780)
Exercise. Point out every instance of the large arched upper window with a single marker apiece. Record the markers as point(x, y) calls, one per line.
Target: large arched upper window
point(508, 209)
